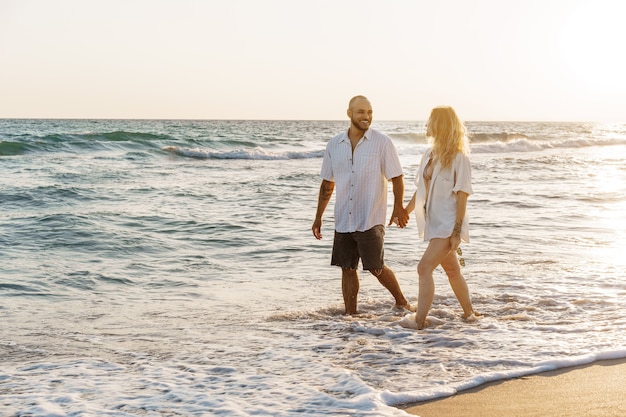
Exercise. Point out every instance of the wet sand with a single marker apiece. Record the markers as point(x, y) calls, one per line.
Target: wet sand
point(597, 389)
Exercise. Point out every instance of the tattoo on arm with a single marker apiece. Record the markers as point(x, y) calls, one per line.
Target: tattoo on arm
point(457, 228)
point(326, 191)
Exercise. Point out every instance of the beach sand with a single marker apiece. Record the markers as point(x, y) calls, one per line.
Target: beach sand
point(597, 389)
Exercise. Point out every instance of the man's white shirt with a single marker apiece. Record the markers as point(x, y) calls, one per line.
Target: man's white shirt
point(361, 179)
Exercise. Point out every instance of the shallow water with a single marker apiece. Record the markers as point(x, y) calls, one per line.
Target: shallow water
point(152, 268)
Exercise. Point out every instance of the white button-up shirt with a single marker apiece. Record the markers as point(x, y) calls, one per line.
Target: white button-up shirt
point(361, 179)
point(436, 217)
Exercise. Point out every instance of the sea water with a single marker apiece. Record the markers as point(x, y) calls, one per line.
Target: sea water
point(167, 268)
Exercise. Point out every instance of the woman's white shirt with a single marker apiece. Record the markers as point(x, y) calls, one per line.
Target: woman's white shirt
point(436, 217)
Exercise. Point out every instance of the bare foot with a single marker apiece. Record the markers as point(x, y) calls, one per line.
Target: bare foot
point(473, 316)
point(406, 306)
point(422, 326)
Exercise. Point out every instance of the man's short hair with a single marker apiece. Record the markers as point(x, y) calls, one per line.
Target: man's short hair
point(355, 99)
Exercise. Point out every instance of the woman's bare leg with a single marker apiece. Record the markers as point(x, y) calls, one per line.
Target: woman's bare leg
point(435, 253)
point(457, 281)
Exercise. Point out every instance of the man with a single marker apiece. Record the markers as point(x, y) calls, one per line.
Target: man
point(360, 163)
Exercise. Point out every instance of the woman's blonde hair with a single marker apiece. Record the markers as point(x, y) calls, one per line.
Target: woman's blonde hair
point(448, 134)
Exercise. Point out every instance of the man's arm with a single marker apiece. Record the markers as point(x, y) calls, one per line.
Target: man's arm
point(399, 215)
point(326, 191)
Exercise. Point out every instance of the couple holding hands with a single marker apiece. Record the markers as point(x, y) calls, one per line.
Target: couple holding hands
point(359, 163)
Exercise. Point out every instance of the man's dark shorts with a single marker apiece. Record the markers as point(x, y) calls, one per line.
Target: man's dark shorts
point(348, 248)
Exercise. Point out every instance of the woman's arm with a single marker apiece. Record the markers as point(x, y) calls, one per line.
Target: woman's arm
point(411, 206)
point(461, 206)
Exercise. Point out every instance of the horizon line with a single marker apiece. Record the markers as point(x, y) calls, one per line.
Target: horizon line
point(295, 120)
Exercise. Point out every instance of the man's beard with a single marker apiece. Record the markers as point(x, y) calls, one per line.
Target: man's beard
point(357, 125)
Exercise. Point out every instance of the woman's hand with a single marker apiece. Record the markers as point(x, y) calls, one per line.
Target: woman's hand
point(399, 217)
point(455, 242)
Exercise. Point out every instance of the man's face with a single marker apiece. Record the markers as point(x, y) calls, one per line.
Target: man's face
point(361, 114)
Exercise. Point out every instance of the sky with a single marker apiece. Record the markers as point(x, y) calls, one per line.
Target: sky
point(492, 60)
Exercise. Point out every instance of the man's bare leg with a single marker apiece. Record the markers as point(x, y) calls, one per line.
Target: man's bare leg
point(350, 289)
point(388, 279)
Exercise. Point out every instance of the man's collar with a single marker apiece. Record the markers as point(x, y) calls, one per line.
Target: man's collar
point(346, 137)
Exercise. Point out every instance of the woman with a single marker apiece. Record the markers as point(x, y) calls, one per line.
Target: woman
point(443, 185)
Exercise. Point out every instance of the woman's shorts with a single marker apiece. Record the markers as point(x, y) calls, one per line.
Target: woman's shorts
point(348, 248)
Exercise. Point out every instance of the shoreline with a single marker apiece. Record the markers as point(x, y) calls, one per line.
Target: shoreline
point(596, 389)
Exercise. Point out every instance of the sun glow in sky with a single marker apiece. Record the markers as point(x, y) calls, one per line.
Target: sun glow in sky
point(288, 59)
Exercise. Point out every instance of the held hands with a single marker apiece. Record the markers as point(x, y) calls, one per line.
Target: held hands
point(400, 217)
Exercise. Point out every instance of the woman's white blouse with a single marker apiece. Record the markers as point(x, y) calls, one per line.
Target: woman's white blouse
point(436, 218)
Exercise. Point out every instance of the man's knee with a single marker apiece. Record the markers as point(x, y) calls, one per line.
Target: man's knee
point(348, 272)
point(377, 272)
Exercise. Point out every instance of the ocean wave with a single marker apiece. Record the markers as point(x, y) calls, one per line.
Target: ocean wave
point(504, 142)
point(527, 145)
point(274, 140)
point(256, 153)
point(116, 136)
point(94, 137)
point(54, 142)
point(12, 148)
point(516, 145)
point(497, 137)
